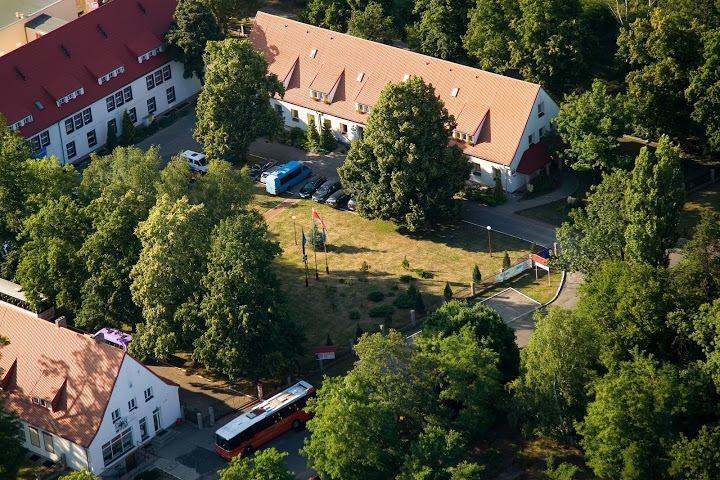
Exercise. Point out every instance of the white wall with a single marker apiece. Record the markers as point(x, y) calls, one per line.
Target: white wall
point(74, 455)
point(132, 381)
point(534, 124)
point(353, 127)
point(184, 88)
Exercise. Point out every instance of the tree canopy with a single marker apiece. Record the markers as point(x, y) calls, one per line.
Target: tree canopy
point(268, 464)
point(194, 25)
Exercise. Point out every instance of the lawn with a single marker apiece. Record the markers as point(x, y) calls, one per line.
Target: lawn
point(337, 303)
point(696, 203)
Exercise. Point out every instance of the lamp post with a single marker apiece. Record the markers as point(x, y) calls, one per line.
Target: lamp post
point(294, 229)
point(489, 230)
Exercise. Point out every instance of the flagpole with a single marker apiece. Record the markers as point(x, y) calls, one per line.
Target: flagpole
point(317, 275)
point(307, 283)
point(327, 268)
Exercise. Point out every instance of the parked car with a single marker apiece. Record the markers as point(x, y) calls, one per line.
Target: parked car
point(262, 168)
point(352, 204)
point(196, 161)
point(325, 190)
point(337, 199)
point(311, 185)
point(267, 172)
point(255, 170)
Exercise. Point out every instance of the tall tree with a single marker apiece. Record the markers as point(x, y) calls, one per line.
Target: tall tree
point(653, 201)
point(80, 475)
point(440, 28)
point(372, 24)
point(331, 14)
point(704, 90)
point(233, 108)
point(247, 333)
point(403, 169)
point(433, 455)
point(223, 190)
point(558, 364)
point(697, 458)
point(11, 438)
point(166, 280)
point(193, 26)
point(595, 232)
point(489, 33)
point(590, 124)
point(13, 151)
point(226, 11)
point(268, 464)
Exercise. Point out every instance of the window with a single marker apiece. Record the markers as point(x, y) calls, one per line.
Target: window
point(294, 115)
point(115, 414)
point(40, 141)
point(343, 128)
point(35, 142)
point(127, 93)
point(158, 77)
point(150, 82)
point(362, 108)
point(541, 109)
point(132, 404)
point(34, 437)
point(454, 92)
point(69, 128)
point(77, 121)
point(112, 125)
point(78, 118)
point(132, 113)
point(152, 108)
point(110, 102)
point(166, 72)
point(119, 99)
point(87, 116)
point(531, 138)
point(156, 419)
point(148, 393)
point(120, 444)
point(91, 138)
point(170, 92)
point(41, 401)
point(143, 429)
point(70, 149)
point(45, 138)
point(48, 441)
point(313, 53)
point(360, 76)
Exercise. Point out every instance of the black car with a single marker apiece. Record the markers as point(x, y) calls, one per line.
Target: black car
point(310, 186)
point(337, 199)
point(352, 204)
point(327, 189)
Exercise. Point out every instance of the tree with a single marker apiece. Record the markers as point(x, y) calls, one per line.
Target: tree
point(638, 410)
point(194, 25)
point(112, 140)
point(596, 232)
point(697, 458)
point(11, 438)
point(331, 14)
point(128, 130)
point(590, 124)
point(556, 367)
point(80, 475)
point(550, 43)
point(506, 261)
point(246, 331)
point(372, 24)
point(705, 333)
point(312, 137)
point(440, 28)
point(14, 150)
point(268, 464)
point(447, 292)
point(488, 326)
point(233, 108)
point(476, 275)
point(223, 190)
point(226, 10)
point(175, 179)
point(167, 276)
point(489, 33)
point(433, 455)
point(653, 201)
point(403, 169)
point(704, 90)
point(628, 303)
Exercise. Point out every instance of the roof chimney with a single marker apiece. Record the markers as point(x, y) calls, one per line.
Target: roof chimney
point(61, 322)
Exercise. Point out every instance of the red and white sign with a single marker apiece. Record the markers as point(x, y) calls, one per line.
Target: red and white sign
point(325, 353)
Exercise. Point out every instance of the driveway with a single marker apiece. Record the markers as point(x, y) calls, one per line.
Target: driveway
point(516, 309)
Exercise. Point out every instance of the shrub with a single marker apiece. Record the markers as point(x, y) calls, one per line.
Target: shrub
point(365, 267)
point(376, 296)
point(447, 292)
point(394, 287)
point(406, 278)
point(312, 139)
point(328, 142)
point(476, 276)
point(354, 315)
point(541, 184)
point(482, 194)
point(498, 191)
point(506, 261)
point(426, 274)
point(404, 300)
point(381, 311)
point(406, 264)
point(128, 130)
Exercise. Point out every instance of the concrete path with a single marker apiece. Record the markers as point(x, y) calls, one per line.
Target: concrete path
point(568, 297)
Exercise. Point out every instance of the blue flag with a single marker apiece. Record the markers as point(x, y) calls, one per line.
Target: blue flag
point(324, 236)
point(304, 240)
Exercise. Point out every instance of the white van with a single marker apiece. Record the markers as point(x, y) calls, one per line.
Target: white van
point(196, 161)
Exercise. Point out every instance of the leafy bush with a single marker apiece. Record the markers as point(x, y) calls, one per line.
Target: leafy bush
point(406, 278)
point(406, 264)
point(404, 300)
point(541, 184)
point(482, 194)
point(426, 274)
point(365, 267)
point(381, 311)
point(354, 315)
point(294, 136)
point(376, 296)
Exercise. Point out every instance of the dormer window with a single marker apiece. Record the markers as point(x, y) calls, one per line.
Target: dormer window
point(71, 96)
point(148, 55)
point(22, 122)
point(362, 108)
point(106, 78)
point(463, 137)
point(42, 402)
point(320, 96)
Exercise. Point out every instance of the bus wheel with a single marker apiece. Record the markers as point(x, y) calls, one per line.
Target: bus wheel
point(297, 425)
point(247, 451)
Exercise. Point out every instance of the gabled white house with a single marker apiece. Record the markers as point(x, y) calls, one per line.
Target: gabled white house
point(80, 400)
point(336, 79)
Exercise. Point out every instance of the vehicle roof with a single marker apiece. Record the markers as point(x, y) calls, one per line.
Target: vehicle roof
point(264, 410)
point(337, 194)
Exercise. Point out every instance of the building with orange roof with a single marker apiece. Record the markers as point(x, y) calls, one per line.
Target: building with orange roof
point(336, 79)
point(81, 401)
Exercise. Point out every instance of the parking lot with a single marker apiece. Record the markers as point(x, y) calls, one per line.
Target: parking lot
point(516, 310)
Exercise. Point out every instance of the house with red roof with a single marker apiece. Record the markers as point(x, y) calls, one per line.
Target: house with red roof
point(65, 90)
point(81, 401)
point(335, 79)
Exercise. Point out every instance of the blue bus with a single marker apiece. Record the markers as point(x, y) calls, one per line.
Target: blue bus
point(286, 176)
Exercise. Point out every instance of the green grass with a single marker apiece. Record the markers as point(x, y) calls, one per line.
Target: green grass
point(696, 203)
point(324, 307)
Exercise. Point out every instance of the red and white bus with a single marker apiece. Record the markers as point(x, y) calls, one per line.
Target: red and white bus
point(273, 417)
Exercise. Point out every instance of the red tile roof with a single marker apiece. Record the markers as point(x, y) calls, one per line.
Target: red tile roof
point(40, 359)
point(504, 103)
point(112, 35)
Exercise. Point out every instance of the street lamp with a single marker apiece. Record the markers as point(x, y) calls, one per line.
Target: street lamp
point(294, 229)
point(489, 229)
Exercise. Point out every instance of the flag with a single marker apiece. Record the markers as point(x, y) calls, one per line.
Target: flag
point(304, 240)
point(324, 236)
point(315, 214)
